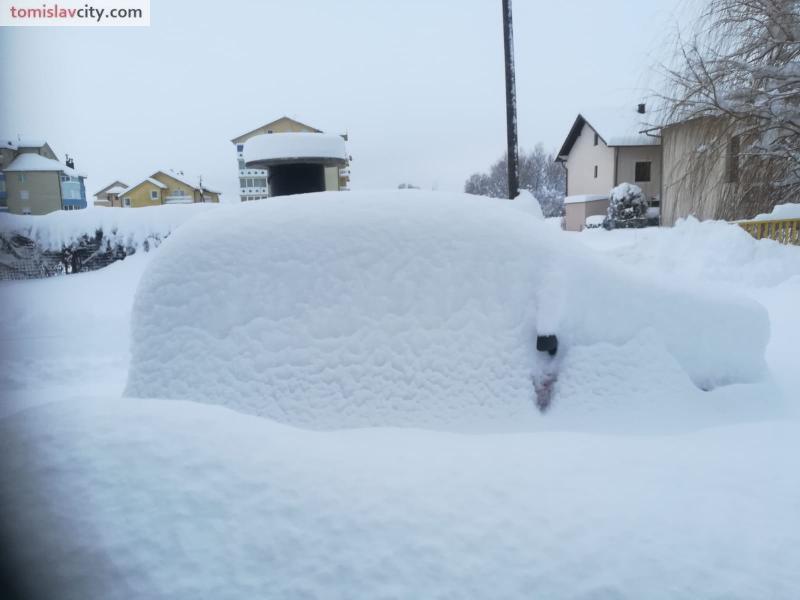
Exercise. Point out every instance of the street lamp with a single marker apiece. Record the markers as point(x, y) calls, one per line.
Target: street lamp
point(511, 103)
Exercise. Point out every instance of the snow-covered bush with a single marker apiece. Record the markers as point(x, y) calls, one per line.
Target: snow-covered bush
point(627, 207)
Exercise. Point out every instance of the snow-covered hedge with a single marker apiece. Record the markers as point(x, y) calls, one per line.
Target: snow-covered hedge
point(405, 308)
point(126, 227)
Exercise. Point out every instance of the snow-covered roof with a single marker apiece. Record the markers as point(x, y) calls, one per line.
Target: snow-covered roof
point(7, 142)
point(155, 182)
point(615, 126)
point(117, 189)
point(29, 161)
point(585, 198)
point(277, 148)
point(185, 180)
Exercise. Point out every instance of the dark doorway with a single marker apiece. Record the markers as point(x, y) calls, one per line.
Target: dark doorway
point(296, 179)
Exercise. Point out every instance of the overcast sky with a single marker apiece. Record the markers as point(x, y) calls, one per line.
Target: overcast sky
point(417, 84)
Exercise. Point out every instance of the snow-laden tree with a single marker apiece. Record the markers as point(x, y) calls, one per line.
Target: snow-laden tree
point(627, 207)
point(739, 75)
point(538, 173)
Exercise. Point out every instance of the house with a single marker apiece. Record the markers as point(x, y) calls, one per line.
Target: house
point(109, 195)
point(254, 183)
point(603, 149)
point(166, 187)
point(702, 174)
point(34, 182)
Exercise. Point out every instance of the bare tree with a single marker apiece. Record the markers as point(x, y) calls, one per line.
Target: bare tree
point(538, 173)
point(739, 78)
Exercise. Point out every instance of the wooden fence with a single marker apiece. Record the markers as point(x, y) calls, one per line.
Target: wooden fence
point(785, 231)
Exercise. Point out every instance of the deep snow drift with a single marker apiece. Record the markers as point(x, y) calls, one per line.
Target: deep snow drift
point(412, 309)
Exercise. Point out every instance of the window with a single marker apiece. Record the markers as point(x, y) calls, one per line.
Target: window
point(153, 194)
point(21, 177)
point(240, 147)
point(642, 172)
point(596, 139)
point(178, 193)
point(2, 183)
point(595, 171)
point(732, 161)
point(128, 202)
point(64, 178)
point(241, 164)
point(24, 195)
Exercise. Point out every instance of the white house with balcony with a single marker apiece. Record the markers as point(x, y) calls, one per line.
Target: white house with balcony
point(604, 148)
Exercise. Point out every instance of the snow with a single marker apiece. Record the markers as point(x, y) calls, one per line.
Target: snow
point(117, 189)
point(620, 126)
point(192, 182)
point(595, 220)
point(779, 212)
point(130, 227)
point(295, 145)
point(346, 310)
point(584, 198)
point(28, 161)
point(527, 202)
point(129, 498)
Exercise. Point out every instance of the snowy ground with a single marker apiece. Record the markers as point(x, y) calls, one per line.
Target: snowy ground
point(110, 497)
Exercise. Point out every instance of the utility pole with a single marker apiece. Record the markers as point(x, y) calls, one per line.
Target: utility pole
point(511, 103)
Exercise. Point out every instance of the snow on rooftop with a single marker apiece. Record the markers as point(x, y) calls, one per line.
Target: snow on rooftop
point(117, 189)
point(584, 198)
point(29, 161)
point(192, 182)
point(334, 310)
point(290, 146)
point(620, 126)
point(31, 142)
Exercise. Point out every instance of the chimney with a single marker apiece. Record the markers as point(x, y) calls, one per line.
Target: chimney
point(641, 108)
point(70, 163)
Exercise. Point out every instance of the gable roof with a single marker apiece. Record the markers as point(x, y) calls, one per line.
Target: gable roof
point(156, 183)
point(185, 181)
point(252, 132)
point(614, 126)
point(116, 183)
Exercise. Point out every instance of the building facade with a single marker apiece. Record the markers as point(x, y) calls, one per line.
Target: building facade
point(164, 187)
point(603, 150)
point(254, 183)
point(34, 181)
point(109, 195)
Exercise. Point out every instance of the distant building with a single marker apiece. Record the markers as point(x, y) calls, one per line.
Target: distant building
point(109, 195)
point(254, 183)
point(603, 149)
point(34, 182)
point(164, 187)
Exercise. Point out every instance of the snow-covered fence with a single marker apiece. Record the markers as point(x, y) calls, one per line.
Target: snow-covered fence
point(785, 231)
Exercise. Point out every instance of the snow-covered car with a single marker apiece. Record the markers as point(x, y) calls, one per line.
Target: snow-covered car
point(414, 309)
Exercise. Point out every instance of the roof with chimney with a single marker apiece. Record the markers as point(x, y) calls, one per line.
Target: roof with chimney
point(615, 126)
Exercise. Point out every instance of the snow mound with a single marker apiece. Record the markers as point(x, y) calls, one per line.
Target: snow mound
point(527, 202)
point(129, 227)
point(780, 211)
point(713, 251)
point(402, 308)
point(155, 500)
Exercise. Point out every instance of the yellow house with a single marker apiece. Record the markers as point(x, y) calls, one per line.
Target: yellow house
point(164, 187)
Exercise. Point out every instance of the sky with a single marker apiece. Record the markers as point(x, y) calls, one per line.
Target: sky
point(417, 85)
